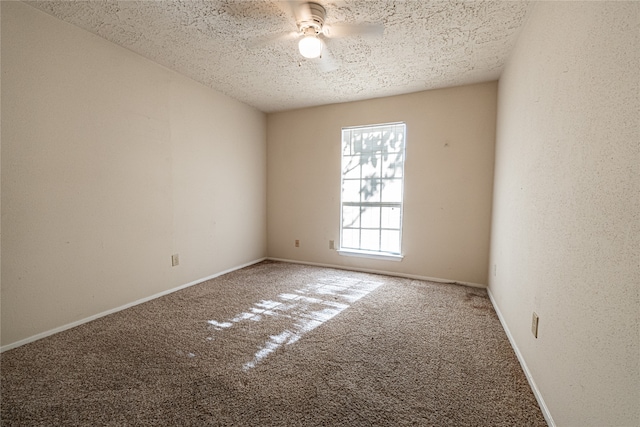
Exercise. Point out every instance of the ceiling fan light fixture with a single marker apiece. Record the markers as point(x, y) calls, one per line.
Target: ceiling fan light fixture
point(310, 47)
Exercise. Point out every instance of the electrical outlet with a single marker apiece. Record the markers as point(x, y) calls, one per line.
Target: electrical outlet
point(175, 260)
point(332, 244)
point(534, 324)
point(297, 243)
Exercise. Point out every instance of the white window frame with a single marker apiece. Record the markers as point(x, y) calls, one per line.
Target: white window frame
point(375, 254)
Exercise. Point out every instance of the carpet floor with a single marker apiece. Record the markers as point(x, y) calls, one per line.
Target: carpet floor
point(279, 344)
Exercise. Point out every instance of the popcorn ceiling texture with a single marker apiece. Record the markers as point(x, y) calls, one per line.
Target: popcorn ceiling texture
point(425, 45)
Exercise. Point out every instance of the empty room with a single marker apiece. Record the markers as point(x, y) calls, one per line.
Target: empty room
point(327, 213)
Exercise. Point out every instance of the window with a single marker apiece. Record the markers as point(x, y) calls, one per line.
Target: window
point(372, 186)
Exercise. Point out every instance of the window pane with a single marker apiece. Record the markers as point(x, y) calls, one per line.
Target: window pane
point(371, 141)
point(370, 240)
point(389, 137)
point(392, 165)
point(347, 146)
point(390, 241)
point(392, 190)
point(391, 217)
point(351, 191)
point(351, 167)
point(356, 143)
point(371, 166)
point(351, 239)
point(371, 217)
point(395, 140)
point(370, 190)
point(351, 216)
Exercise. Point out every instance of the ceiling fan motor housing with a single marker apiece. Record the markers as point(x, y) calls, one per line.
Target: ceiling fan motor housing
point(315, 21)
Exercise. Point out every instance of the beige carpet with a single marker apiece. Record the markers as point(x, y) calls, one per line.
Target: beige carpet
point(279, 344)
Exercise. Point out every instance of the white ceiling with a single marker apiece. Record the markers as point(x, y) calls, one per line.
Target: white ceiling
point(425, 45)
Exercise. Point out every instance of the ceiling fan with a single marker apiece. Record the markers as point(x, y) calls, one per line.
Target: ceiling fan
point(313, 32)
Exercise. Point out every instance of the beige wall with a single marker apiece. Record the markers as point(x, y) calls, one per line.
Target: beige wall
point(110, 164)
point(566, 229)
point(448, 184)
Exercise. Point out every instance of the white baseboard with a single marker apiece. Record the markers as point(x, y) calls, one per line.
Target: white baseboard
point(536, 391)
point(387, 273)
point(120, 308)
point(525, 368)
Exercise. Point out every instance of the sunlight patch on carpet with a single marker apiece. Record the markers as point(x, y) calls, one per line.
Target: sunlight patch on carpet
point(304, 310)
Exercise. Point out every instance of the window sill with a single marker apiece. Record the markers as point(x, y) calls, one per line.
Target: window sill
point(372, 255)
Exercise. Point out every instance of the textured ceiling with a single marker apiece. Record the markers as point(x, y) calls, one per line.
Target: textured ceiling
point(425, 45)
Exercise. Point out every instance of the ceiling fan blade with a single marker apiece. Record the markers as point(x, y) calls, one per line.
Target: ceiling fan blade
point(344, 30)
point(326, 63)
point(260, 42)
